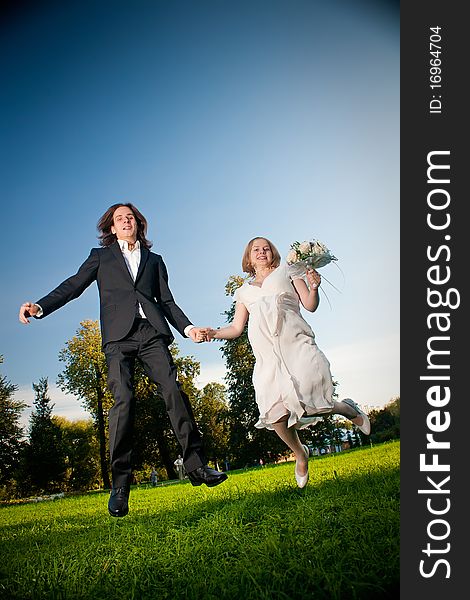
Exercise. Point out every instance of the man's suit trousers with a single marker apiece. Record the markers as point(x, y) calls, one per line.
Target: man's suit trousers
point(143, 343)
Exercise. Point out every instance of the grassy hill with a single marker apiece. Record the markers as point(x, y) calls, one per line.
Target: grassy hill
point(256, 536)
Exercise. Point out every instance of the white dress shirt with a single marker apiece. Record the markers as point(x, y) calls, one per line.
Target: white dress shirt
point(132, 258)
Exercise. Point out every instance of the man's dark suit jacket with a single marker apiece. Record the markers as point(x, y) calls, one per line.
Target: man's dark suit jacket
point(120, 295)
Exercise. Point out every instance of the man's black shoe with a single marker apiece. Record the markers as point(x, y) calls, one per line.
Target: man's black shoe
point(118, 502)
point(206, 475)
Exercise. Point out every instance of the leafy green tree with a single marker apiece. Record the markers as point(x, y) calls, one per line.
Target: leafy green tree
point(81, 450)
point(337, 433)
point(385, 423)
point(11, 432)
point(212, 415)
point(394, 408)
point(188, 369)
point(44, 464)
point(85, 376)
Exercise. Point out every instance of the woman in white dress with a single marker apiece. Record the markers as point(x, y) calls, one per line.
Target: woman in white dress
point(291, 377)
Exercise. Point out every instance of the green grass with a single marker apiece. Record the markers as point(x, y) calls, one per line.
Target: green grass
point(256, 536)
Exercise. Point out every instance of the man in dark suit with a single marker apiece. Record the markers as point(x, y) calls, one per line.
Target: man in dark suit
point(136, 305)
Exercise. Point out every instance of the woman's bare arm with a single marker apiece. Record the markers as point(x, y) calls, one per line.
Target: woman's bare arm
point(236, 327)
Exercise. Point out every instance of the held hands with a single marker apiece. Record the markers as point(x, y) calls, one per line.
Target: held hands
point(210, 334)
point(202, 334)
point(27, 310)
point(313, 278)
point(197, 334)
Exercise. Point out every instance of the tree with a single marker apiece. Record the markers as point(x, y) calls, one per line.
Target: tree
point(11, 432)
point(385, 423)
point(337, 433)
point(212, 414)
point(44, 457)
point(85, 376)
point(81, 451)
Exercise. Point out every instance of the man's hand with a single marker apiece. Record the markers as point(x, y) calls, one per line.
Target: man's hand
point(28, 309)
point(198, 334)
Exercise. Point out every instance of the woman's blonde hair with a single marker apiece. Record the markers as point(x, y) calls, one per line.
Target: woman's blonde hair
point(246, 261)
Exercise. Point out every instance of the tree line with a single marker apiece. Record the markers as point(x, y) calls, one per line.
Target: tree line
point(56, 454)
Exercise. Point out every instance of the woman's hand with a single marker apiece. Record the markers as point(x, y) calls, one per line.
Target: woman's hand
point(210, 334)
point(313, 278)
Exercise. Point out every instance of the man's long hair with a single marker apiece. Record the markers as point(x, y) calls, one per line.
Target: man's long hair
point(106, 237)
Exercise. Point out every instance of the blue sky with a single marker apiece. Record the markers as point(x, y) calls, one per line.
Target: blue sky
point(220, 121)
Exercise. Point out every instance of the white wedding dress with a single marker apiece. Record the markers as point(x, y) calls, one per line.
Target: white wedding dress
point(291, 374)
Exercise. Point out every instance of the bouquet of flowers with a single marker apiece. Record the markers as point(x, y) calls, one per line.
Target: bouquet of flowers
point(307, 255)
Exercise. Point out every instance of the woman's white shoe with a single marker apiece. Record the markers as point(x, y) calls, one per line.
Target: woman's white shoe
point(302, 479)
point(365, 425)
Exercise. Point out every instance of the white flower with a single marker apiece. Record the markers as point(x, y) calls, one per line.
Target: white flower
point(292, 257)
point(318, 248)
point(308, 255)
